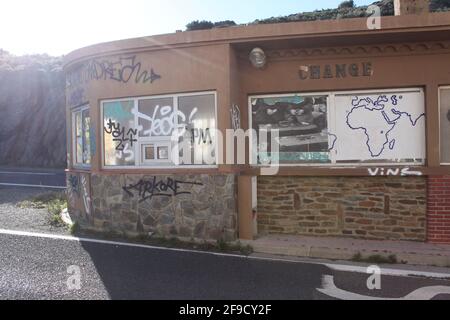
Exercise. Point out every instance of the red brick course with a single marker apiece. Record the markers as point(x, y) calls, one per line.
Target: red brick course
point(438, 209)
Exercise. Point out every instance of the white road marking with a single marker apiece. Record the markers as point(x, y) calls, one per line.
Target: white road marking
point(31, 185)
point(336, 267)
point(29, 173)
point(99, 241)
point(388, 271)
point(425, 293)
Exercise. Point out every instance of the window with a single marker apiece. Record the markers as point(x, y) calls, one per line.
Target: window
point(120, 135)
point(81, 132)
point(347, 128)
point(156, 152)
point(444, 106)
point(302, 122)
point(149, 131)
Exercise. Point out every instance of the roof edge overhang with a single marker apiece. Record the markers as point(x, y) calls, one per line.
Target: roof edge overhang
point(241, 35)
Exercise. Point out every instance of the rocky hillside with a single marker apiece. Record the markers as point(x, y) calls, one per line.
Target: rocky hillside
point(344, 11)
point(347, 9)
point(32, 112)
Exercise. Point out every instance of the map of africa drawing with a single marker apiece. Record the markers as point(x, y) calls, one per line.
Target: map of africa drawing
point(380, 127)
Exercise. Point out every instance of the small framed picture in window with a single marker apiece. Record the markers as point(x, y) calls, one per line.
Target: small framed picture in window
point(155, 152)
point(149, 152)
point(163, 153)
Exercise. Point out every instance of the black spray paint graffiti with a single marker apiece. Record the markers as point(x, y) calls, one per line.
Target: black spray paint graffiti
point(201, 136)
point(76, 98)
point(147, 189)
point(74, 184)
point(235, 117)
point(78, 188)
point(123, 70)
point(120, 134)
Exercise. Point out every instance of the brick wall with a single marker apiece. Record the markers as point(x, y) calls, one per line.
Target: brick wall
point(369, 208)
point(439, 209)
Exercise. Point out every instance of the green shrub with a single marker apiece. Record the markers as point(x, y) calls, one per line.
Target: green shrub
point(226, 23)
point(439, 5)
point(199, 25)
point(346, 4)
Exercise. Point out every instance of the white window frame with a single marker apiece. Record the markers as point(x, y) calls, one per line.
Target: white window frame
point(441, 88)
point(74, 112)
point(156, 144)
point(138, 163)
point(331, 118)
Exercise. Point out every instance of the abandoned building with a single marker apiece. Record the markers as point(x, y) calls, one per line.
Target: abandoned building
point(362, 116)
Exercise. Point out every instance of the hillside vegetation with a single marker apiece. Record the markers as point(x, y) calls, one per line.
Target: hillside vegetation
point(345, 10)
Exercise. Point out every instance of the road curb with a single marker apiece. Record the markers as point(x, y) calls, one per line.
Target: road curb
point(435, 259)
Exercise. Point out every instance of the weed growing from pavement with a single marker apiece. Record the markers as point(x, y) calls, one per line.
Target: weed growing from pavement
point(54, 202)
point(55, 207)
point(377, 259)
point(27, 204)
point(74, 228)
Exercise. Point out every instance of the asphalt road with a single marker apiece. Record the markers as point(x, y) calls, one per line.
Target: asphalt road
point(32, 177)
point(37, 268)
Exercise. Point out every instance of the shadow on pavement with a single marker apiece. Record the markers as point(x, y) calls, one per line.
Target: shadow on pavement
point(140, 273)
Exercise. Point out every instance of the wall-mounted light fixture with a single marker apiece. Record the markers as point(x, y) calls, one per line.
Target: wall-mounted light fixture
point(258, 58)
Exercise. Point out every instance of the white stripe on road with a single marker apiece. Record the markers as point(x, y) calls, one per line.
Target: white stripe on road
point(388, 272)
point(336, 267)
point(425, 293)
point(30, 185)
point(28, 173)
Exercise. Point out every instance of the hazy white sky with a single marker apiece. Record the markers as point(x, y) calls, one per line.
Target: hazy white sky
point(60, 26)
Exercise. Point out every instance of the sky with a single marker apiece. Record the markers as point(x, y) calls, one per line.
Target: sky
point(57, 27)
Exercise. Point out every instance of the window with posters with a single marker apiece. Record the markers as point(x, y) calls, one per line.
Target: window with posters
point(302, 123)
point(344, 128)
point(173, 130)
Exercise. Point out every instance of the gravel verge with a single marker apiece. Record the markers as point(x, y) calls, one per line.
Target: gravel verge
point(14, 217)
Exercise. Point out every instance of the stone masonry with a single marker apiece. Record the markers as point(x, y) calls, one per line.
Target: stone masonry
point(187, 206)
point(379, 208)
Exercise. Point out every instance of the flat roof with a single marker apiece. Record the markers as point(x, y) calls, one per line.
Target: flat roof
point(430, 26)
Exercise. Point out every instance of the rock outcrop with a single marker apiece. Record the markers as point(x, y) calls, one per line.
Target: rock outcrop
point(32, 111)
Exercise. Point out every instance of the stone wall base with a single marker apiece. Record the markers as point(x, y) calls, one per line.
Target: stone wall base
point(379, 208)
point(187, 206)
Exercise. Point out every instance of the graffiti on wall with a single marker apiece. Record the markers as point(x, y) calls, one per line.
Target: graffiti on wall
point(148, 188)
point(393, 172)
point(73, 189)
point(122, 69)
point(163, 120)
point(86, 195)
point(78, 193)
point(201, 136)
point(123, 138)
point(76, 98)
point(235, 117)
point(121, 135)
point(127, 123)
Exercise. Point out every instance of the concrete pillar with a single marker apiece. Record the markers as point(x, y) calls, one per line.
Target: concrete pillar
point(245, 208)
